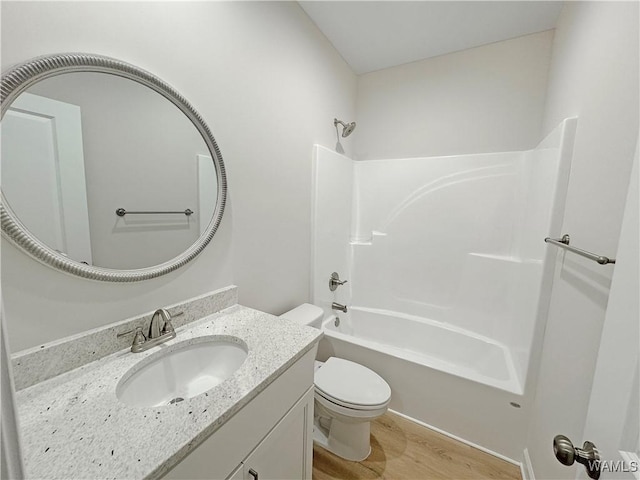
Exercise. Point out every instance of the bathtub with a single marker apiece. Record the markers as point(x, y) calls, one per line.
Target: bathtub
point(452, 380)
point(429, 343)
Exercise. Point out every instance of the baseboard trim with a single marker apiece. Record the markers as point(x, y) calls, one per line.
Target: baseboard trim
point(459, 439)
point(526, 467)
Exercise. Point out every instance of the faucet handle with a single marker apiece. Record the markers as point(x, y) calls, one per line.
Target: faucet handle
point(168, 327)
point(138, 338)
point(334, 281)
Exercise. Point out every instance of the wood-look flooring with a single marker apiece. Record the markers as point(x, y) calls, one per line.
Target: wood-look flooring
point(404, 450)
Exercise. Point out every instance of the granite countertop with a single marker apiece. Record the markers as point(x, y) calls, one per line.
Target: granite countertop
point(73, 426)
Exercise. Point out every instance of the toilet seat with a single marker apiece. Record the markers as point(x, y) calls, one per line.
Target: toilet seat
point(350, 409)
point(347, 414)
point(351, 385)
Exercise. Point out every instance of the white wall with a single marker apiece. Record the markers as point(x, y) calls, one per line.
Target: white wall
point(267, 82)
point(485, 99)
point(594, 75)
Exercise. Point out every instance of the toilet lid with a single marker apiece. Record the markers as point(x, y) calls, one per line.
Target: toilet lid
point(351, 383)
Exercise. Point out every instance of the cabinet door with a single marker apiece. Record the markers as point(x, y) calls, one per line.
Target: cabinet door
point(286, 452)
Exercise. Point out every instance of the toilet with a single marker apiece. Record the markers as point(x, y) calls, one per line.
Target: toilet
point(348, 396)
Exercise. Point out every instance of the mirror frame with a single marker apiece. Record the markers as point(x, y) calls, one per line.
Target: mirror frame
point(22, 76)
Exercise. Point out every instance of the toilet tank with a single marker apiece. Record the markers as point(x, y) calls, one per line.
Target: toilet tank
point(305, 314)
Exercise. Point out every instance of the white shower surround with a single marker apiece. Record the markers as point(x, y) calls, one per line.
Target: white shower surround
point(447, 277)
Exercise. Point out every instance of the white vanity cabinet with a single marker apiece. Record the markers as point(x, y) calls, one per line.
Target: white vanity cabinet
point(282, 454)
point(269, 438)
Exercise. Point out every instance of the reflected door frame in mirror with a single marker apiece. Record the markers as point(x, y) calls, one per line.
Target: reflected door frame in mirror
point(20, 78)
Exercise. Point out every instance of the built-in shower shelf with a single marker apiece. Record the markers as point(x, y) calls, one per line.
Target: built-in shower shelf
point(367, 240)
point(506, 258)
point(360, 242)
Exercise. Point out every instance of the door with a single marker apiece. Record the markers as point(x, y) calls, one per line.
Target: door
point(11, 466)
point(42, 145)
point(613, 417)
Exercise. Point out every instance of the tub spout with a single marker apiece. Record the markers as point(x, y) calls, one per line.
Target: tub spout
point(338, 306)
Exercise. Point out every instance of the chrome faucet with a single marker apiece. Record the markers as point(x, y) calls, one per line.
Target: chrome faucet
point(160, 331)
point(156, 329)
point(339, 306)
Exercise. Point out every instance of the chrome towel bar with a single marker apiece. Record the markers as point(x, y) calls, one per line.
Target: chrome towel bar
point(564, 243)
point(121, 212)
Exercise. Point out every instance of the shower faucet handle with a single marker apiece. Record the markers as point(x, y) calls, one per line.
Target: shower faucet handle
point(334, 281)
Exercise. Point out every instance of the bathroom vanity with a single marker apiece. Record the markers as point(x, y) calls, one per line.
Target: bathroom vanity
point(257, 423)
point(271, 437)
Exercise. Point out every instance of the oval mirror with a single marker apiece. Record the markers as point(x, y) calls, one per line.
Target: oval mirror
point(106, 171)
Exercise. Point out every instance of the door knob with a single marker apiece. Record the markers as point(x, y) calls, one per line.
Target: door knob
point(567, 454)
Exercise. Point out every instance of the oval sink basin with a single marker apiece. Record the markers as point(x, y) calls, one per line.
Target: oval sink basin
point(180, 373)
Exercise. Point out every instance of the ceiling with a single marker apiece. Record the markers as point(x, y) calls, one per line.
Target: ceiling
point(375, 35)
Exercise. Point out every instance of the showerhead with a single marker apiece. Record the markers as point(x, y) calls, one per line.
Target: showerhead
point(347, 128)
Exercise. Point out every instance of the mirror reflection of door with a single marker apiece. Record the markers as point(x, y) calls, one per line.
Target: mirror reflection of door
point(133, 149)
point(46, 135)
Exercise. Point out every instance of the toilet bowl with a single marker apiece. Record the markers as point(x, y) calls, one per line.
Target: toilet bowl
point(348, 396)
